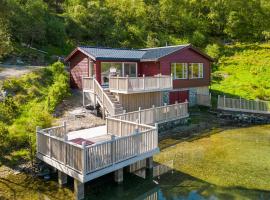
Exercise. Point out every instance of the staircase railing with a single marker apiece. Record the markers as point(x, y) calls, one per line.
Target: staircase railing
point(91, 84)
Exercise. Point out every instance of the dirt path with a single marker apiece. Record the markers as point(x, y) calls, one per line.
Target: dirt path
point(7, 71)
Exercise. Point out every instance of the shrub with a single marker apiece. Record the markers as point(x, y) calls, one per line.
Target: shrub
point(3, 133)
point(8, 110)
point(213, 50)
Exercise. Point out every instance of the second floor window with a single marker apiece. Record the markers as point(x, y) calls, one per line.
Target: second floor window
point(179, 70)
point(196, 70)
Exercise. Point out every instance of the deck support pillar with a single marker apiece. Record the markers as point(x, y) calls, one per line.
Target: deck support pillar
point(62, 178)
point(149, 162)
point(118, 176)
point(83, 99)
point(78, 190)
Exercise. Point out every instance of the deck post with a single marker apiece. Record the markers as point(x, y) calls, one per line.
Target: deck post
point(83, 99)
point(83, 158)
point(127, 82)
point(224, 101)
point(119, 176)
point(38, 128)
point(65, 127)
point(140, 117)
point(176, 103)
point(113, 148)
point(78, 190)
point(117, 82)
point(165, 104)
point(62, 178)
point(149, 162)
point(154, 114)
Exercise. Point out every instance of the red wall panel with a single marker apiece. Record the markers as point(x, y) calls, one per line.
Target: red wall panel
point(179, 96)
point(187, 56)
point(78, 68)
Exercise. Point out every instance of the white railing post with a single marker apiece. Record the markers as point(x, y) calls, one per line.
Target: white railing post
point(83, 158)
point(120, 124)
point(224, 101)
point(240, 103)
point(143, 82)
point(154, 113)
point(113, 149)
point(50, 145)
point(65, 149)
point(177, 106)
point(137, 137)
point(165, 104)
point(38, 128)
point(117, 82)
point(158, 82)
point(140, 117)
point(65, 127)
point(127, 83)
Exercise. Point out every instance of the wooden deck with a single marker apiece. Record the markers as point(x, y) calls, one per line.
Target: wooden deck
point(91, 153)
point(243, 105)
point(84, 162)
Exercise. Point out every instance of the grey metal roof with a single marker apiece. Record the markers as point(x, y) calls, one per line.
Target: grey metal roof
point(113, 54)
point(150, 54)
point(159, 52)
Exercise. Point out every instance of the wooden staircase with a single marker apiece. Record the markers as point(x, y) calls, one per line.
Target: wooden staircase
point(117, 105)
point(109, 104)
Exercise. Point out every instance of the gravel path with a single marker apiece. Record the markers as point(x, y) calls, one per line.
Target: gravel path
point(7, 71)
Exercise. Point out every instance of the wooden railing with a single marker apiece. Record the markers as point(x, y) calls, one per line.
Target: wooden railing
point(91, 84)
point(139, 84)
point(157, 114)
point(123, 127)
point(203, 99)
point(86, 159)
point(60, 150)
point(243, 105)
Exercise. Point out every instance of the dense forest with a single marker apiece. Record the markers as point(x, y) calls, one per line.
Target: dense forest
point(56, 26)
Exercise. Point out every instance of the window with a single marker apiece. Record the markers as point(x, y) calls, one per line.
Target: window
point(196, 70)
point(179, 70)
point(130, 69)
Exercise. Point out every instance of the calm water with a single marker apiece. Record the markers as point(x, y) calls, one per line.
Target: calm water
point(243, 149)
point(237, 158)
point(171, 185)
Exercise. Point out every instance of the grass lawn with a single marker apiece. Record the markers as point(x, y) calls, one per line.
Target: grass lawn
point(244, 70)
point(232, 158)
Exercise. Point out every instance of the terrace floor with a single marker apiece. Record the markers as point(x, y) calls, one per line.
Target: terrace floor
point(95, 134)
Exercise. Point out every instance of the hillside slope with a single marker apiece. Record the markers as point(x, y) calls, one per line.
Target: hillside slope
point(244, 71)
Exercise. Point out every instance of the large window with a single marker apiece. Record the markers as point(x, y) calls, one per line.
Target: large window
point(117, 68)
point(179, 70)
point(196, 70)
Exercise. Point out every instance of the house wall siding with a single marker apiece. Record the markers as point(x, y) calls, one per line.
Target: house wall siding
point(149, 68)
point(78, 68)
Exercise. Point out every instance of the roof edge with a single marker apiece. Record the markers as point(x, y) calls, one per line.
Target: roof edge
point(82, 51)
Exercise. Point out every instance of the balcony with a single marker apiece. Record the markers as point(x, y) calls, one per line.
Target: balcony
point(127, 85)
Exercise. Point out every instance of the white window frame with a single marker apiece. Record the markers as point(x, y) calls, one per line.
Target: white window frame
point(200, 70)
point(123, 67)
point(184, 70)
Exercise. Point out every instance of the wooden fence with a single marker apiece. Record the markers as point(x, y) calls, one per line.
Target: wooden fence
point(157, 114)
point(243, 105)
point(137, 84)
point(86, 159)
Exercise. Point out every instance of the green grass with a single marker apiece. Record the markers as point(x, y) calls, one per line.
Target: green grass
point(244, 70)
point(232, 158)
